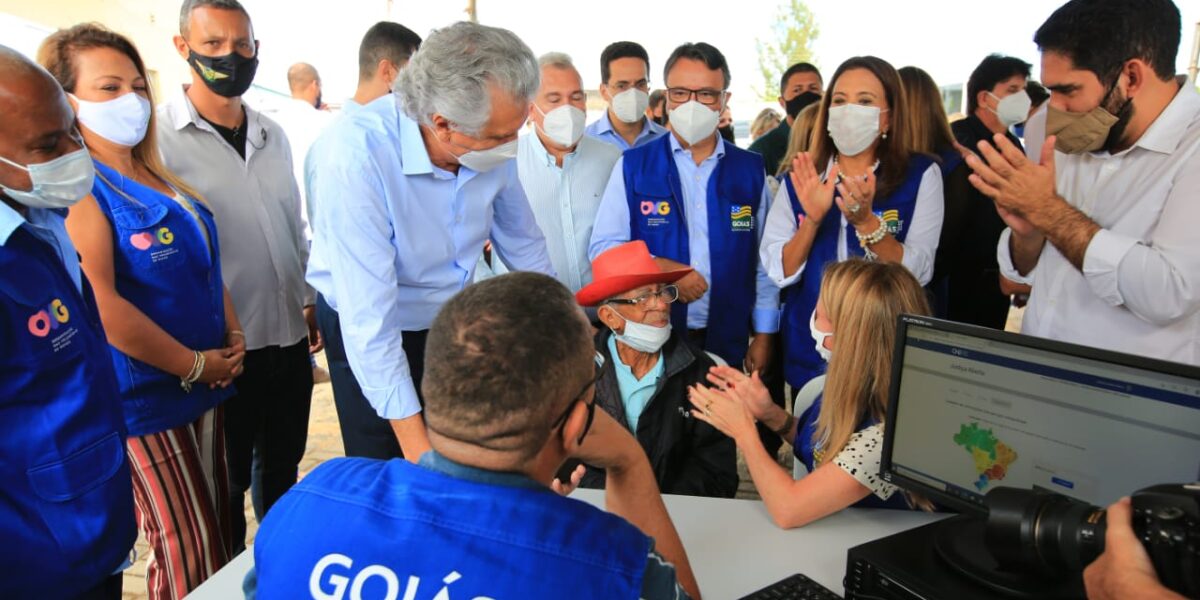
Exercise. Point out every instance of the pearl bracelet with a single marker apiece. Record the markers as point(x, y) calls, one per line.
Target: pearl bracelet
point(866, 241)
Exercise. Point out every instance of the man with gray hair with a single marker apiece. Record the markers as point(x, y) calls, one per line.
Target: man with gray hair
point(408, 191)
point(564, 172)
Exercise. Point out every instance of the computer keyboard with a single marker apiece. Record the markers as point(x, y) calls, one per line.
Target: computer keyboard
point(796, 587)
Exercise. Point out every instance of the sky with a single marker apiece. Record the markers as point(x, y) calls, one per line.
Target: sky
point(945, 37)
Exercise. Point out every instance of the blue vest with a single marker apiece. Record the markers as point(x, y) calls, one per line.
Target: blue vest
point(656, 216)
point(801, 361)
point(163, 267)
point(804, 450)
point(66, 502)
point(387, 527)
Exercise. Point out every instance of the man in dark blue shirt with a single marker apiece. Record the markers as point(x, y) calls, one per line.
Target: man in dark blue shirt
point(509, 390)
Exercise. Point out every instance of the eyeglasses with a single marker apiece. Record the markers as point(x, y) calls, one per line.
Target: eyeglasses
point(668, 294)
point(591, 406)
point(706, 96)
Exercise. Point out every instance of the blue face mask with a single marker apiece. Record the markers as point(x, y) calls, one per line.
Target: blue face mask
point(59, 183)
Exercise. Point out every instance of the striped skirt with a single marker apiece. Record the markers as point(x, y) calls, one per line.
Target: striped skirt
point(180, 492)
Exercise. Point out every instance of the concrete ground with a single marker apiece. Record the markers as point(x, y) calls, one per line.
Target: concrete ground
point(324, 443)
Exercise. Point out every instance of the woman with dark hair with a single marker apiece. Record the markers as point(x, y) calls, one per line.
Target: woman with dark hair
point(149, 246)
point(874, 195)
point(931, 135)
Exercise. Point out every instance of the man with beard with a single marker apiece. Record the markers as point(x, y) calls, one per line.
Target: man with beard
point(1102, 228)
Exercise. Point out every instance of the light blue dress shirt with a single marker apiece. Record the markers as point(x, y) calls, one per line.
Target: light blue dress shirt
point(603, 130)
point(564, 200)
point(635, 393)
point(612, 229)
point(48, 225)
point(395, 237)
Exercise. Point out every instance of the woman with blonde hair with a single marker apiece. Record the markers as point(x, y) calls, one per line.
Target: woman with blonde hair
point(839, 436)
point(149, 246)
point(766, 120)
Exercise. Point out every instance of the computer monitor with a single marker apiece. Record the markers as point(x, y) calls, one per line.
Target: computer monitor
point(971, 409)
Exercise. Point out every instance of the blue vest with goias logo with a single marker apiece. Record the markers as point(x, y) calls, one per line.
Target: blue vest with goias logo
point(801, 361)
point(657, 217)
point(66, 504)
point(363, 528)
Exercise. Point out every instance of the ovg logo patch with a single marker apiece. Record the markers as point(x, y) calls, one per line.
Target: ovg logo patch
point(145, 240)
point(48, 319)
point(891, 220)
point(741, 218)
point(655, 212)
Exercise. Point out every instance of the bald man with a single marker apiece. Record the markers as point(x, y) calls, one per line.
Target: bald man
point(66, 505)
point(303, 118)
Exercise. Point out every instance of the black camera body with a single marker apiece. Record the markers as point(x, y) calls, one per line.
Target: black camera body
point(1052, 535)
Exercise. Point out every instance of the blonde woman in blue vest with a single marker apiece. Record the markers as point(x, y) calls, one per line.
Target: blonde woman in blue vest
point(838, 435)
point(150, 248)
point(861, 190)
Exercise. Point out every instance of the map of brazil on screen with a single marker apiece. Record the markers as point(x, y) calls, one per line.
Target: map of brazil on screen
point(992, 457)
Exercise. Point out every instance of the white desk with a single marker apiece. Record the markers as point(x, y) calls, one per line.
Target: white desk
point(733, 546)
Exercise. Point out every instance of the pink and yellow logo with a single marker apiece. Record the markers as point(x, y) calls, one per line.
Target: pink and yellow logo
point(145, 240)
point(662, 208)
point(48, 319)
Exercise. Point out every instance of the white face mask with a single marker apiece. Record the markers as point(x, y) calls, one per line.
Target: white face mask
point(853, 127)
point(1013, 108)
point(694, 122)
point(630, 105)
point(642, 337)
point(60, 183)
point(482, 161)
point(563, 125)
point(819, 337)
point(122, 120)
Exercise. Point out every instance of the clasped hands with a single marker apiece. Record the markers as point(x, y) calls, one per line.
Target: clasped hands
point(1022, 190)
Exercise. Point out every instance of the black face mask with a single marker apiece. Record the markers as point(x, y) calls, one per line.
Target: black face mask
point(799, 103)
point(317, 104)
point(229, 76)
point(727, 133)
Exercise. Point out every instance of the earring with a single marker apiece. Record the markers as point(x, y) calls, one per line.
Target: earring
point(885, 135)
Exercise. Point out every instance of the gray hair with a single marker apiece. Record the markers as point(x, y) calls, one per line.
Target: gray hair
point(556, 59)
point(451, 73)
point(185, 10)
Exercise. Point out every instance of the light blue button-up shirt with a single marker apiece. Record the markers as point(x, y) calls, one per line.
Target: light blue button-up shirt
point(612, 229)
point(395, 237)
point(564, 200)
point(635, 393)
point(49, 226)
point(603, 130)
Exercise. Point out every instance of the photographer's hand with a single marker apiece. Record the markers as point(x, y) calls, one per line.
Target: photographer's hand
point(1124, 570)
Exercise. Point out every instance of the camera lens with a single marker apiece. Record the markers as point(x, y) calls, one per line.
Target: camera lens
point(1030, 529)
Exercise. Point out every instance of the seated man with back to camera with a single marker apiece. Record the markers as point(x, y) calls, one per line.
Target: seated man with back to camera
point(648, 369)
point(509, 394)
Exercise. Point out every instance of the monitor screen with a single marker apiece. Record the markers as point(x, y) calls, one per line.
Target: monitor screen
point(972, 409)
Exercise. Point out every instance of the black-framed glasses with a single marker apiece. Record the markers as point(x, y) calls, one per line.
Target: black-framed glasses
point(591, 406)
point(668, 294)
point(707, 96)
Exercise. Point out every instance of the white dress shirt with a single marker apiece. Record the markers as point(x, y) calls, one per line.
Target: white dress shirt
point(395, 237)
point(257, 207)
point(1139, 291)
point(920, 244)
point(303, 123)
point(565, 199)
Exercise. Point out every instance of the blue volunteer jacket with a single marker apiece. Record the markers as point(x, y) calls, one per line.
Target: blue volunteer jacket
point(66, 502)
point(391, 529)
point(163, 267)
point(801, 361)
point(656, 215)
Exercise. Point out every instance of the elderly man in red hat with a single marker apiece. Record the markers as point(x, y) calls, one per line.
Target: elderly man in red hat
point(649, 369)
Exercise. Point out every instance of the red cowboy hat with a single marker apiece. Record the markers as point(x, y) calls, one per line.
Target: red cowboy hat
point(623, 268)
